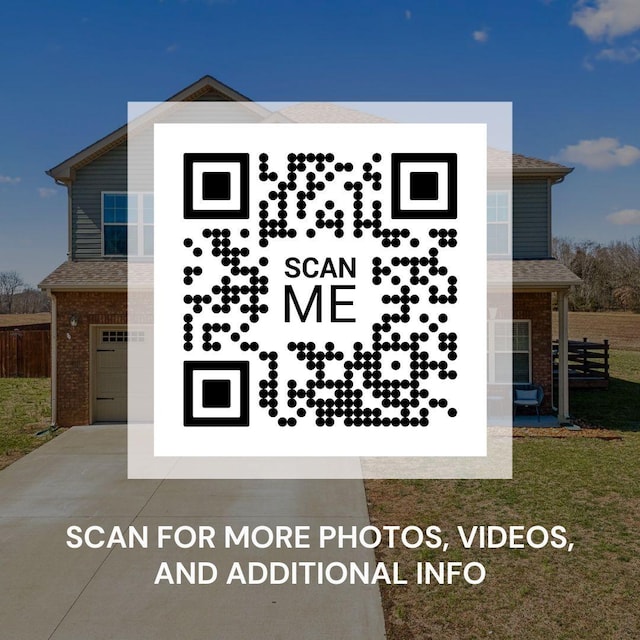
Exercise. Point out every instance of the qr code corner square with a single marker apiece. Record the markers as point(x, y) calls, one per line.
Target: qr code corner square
point(216, 393)
point(216, 185)
point(424, 186)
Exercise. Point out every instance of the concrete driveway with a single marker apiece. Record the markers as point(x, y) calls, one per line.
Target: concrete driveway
point(49, 591)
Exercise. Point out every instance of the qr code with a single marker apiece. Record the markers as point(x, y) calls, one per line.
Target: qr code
point(319, 287)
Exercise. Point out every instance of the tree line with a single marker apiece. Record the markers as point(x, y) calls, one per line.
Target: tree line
point(18, 297)
point(610, 274)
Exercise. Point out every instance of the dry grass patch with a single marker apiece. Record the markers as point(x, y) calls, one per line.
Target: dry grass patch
point(622, 329)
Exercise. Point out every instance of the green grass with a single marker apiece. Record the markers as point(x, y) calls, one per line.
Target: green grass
point(617, 407)
point(24, 409)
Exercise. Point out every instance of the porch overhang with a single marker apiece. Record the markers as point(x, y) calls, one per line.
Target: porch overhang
point(542, 276)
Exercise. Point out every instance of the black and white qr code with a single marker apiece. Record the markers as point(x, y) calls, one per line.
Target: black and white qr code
point(320, 289)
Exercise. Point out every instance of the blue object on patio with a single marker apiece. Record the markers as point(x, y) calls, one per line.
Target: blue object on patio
point(528, 395)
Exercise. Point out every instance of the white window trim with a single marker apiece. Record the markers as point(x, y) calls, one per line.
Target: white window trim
point(140, 224)
point(491, 343)
point(508, 221)
point(528, 351)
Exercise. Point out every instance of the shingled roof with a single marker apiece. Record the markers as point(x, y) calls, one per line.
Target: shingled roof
point(531, 274)
point(115, 275)
point(301, 112)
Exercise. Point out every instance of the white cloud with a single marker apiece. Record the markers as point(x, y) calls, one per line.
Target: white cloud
point(482, 35)
point(626, 216)
point(9, 180)
point(46, 192)
point(603, 153)
point(606, 19)
point(407, 14)
point(626, 55)
point(172, 48)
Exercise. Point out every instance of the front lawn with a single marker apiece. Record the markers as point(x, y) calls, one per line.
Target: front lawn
point(617, 407)
point(590, 486)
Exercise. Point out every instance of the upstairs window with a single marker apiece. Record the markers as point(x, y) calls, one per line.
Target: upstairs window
point(498, 223)
point(127, 224)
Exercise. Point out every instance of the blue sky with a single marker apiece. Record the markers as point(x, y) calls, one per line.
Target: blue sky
point(571, 69)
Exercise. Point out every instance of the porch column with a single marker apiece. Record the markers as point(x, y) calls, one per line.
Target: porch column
point(563, 356)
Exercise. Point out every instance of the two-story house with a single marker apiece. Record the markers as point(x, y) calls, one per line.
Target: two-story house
point(89, 290)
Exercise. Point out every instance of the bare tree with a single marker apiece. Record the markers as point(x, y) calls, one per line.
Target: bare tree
point(10, 283)
point(31, 300)
point(610, 274)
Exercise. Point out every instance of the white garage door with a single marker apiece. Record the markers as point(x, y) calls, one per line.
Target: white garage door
point(110, 386)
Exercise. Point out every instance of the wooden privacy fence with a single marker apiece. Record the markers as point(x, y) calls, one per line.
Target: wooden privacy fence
point(588, 363)
point(25, 353)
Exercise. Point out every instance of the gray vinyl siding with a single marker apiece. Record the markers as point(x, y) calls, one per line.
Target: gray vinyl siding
point(530, 213)
point(109, 173)
point(106, 173)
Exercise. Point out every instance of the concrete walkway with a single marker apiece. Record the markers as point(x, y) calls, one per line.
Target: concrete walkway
point(48, 591)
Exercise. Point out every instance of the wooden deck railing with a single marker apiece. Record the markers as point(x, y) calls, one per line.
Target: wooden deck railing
point(588, 363)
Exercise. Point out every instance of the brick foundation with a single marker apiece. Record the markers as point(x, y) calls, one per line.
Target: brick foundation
point(74, 344)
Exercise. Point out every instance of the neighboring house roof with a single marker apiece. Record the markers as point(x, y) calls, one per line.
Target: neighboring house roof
point(498, 160)
point(532, 274)
point(86, 275)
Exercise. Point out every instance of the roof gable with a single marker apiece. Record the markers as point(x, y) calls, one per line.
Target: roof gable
point(205, 89)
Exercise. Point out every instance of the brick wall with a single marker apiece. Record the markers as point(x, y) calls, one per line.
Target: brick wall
point(73, 347)
point(96, 308)
point(537, 308)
